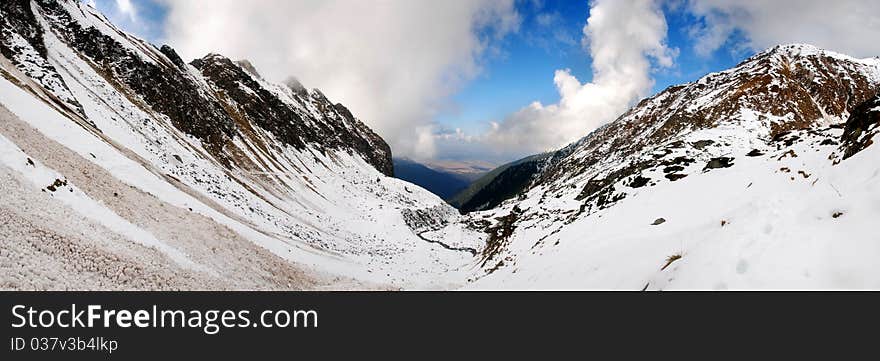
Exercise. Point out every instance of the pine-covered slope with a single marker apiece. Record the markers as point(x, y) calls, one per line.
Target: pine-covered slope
point(500, 184)
point(208, 171)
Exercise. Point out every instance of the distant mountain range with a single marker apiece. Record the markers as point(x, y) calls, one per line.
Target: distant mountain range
point(471, 186)
point(444, 184)
point(466, 169)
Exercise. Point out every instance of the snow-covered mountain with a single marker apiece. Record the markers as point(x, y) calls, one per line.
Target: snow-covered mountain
point(737, 180)
point(125, 167)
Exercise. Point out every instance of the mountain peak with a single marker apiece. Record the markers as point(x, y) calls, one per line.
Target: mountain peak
point(294, 84)
point(797, 48)
point(803, 51)
point(249, 67)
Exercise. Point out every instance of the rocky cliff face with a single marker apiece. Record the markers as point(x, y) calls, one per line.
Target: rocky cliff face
point(295, 117)
point(156, 78)
point(23, 44)
point(861, 127)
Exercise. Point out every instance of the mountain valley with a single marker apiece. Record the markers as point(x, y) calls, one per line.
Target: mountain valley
point(124, 167)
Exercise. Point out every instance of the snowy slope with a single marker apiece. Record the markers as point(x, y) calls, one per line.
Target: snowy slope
point(745, 169)
point(281, 167)
point(124, 167)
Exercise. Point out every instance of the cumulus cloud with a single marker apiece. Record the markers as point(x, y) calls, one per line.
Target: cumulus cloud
point(841, 25)
point(393, 63)
point(626, 39)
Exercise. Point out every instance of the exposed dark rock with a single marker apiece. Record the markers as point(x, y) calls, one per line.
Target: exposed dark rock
point(673, 169)
point(639, 182)
point(700, 144)
point(658, 221)
point(680, 160)
point(675, 176)
point(607, 197)
point(17, 16)
point(790, 153)
point(671, 259)
point(719, 162)
point(57, 184)
point(593, 186)
point(18, 20)
point(499, 236)
point(172, 55)
point(860, 128)
point(755, 153)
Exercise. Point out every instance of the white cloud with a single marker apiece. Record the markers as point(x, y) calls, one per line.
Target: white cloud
point(623, 37)
point(847, 26)
point(393, 63)
point(126, 8)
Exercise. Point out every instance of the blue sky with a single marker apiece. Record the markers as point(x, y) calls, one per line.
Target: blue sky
point(147, 20)
point(392, 92)
point(523, 71)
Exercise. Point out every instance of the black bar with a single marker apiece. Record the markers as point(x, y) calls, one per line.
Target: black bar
point(463, 324)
